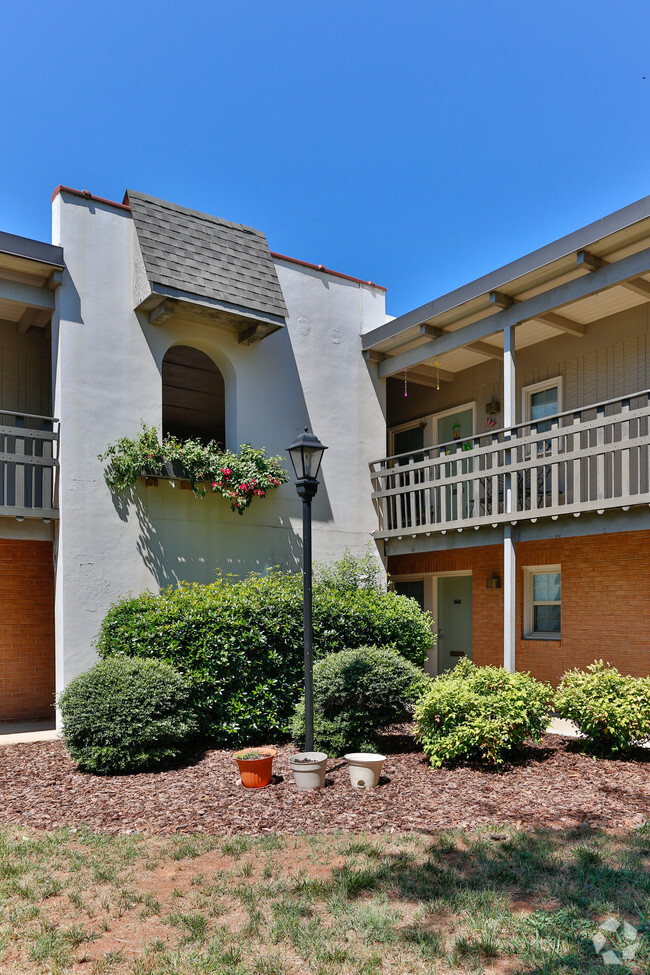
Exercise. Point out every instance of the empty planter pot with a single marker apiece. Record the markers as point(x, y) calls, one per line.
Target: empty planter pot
point(365, 769)
point(308, 770)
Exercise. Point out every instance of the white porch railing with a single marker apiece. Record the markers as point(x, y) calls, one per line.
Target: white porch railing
point(588, 459)
point(28, 465)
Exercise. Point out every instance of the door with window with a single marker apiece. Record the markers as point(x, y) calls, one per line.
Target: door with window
point(409, 442)
point(454, 620)
point(455, 429)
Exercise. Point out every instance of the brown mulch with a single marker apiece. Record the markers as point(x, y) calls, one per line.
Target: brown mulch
point(552, 785)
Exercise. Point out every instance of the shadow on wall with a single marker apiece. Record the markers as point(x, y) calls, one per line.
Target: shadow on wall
point(192, 550)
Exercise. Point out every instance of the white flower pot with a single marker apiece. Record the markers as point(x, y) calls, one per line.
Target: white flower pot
point(308, 774)
point(365, 769)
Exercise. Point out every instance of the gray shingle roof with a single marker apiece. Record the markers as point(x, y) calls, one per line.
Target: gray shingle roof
point(205, 256)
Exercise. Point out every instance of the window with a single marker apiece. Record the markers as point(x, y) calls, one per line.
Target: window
point(542, 399)
point(193, 396)
point(543, 602)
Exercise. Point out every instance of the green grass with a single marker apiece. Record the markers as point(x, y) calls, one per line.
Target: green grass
point(332, 905)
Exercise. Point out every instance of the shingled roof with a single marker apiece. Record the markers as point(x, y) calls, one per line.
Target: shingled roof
point(188, 255)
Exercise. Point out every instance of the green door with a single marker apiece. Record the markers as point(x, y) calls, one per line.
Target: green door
point(454, 620)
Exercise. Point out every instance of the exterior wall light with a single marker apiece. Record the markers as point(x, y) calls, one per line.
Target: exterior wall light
point(494, 582)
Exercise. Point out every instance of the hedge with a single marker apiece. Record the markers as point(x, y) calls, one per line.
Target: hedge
point(240, 643)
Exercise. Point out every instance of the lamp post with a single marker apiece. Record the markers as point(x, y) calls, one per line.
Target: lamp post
point(306, 453)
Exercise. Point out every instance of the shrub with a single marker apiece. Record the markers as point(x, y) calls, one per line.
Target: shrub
point(126, 716)
point(480, 713)
point(240, 644)
point(610, 710)
point(352, 572)
point(357, 693)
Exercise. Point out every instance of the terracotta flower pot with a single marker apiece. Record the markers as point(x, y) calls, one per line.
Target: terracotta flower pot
point(256, 772)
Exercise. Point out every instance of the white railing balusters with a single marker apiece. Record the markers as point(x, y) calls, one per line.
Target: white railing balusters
point(28, 465)
point(576, 465)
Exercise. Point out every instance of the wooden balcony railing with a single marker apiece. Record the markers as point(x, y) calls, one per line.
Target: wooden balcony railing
point(28, 465)
point(589, 459)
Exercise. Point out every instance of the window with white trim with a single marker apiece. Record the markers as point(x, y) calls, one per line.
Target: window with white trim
point(542, 399)
point(543, 602)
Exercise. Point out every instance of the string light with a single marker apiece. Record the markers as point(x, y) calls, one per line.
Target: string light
point(406, 385)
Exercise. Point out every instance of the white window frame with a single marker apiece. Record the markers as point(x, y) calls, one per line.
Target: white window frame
point(529, 606)
point(528, 391)
point(463, 408)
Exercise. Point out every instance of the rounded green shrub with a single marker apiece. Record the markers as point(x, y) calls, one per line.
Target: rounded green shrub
point(127, 715)
point(480, 714)
point(610, 710)
point(240, 643)
point(357, 693)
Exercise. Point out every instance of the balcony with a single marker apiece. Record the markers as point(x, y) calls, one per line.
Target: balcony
point(591, 459)
point(28, 465)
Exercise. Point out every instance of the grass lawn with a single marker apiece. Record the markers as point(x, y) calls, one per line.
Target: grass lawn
point(479, 901)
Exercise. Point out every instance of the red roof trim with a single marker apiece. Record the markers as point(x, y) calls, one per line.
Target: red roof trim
point(326, 270)
point(86, 195)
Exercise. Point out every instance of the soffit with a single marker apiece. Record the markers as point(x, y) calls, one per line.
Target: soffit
point(452, 314)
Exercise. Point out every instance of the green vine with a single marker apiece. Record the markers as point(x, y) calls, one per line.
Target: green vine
point(237, 477)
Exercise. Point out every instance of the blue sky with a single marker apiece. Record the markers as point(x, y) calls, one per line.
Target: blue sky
point(418, 144)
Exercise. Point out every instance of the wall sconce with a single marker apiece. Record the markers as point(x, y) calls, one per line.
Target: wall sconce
point(494, 406)
point(494, 582)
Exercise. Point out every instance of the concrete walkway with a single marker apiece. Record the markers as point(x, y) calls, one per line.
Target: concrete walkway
point(16, 732)
point(560, 726)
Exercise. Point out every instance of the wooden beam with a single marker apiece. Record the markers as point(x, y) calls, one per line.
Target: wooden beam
point(500, 300)
point(561, 323)
point(26, 294)
point(586, 261)
point(162, 311)
point(32, 317)
point(430, 331)
point(370, 355)
point(590, 262)
point(484, 348)
point(251, 335)
point(638, 286)
point(55, 280)
point(555, 298)
point(430, 375)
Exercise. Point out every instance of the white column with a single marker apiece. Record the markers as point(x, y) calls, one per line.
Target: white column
point(509, 558)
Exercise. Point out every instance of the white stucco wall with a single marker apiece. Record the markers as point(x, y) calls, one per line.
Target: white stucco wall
point(107, 378)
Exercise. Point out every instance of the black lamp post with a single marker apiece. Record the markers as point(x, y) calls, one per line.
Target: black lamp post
point(306, 453)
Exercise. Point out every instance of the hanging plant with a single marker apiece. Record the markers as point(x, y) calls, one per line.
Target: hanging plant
point(238, 477)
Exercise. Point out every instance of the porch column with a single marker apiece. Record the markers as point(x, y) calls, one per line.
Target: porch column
point(509, 559)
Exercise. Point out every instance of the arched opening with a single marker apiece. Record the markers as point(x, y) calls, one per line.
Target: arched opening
point(194, 403)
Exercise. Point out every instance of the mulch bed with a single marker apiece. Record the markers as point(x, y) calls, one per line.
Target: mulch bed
point(552, 785)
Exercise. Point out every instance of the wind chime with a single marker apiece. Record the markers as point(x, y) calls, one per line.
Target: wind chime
point(406, 381)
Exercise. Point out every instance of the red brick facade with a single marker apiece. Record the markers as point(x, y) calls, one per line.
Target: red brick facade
point(605, 601)
point(26, 630)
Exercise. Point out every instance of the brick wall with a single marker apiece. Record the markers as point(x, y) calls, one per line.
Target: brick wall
point(26, 630)
point(605, 601)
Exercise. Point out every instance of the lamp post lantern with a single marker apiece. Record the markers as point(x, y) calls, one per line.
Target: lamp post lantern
point(306, 453)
